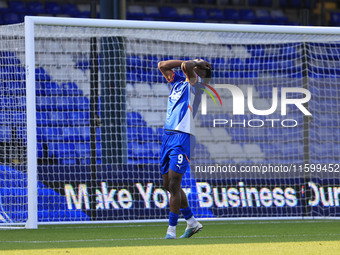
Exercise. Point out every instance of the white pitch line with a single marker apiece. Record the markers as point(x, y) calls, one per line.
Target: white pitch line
point(204, 223)
point(156, 238)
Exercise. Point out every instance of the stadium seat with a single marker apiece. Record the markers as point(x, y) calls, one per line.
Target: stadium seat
point(41, 74)
point(11, 18)
point(278, 16)
point(64, 152)
point(231, 15)
point(8, 58)
point(71, 89)
point(263, 16)
point(82, 103)
point(216, 14)
point(53, 8)
point(236, 152)
point(238, 135)
point(133, 61)
point(5, 134)
point(253, 152)
point(35, 7)
point(247, 15)
point(70, 9)
point(83, 152)
point(152, 11)
point(185, 13)
point(59, 118)
point(147, 134)
point(43, 118)
point(168, 13)
point(335, 18)
point(78, 118)
point(133, 133)
point(49, 134)
point(17, 7)
point(16, 87)
point(201, 13)
point(135, 119)
point(19, 118)
point(135, 12)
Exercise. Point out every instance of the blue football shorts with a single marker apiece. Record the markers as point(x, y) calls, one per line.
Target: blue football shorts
point(175, 151)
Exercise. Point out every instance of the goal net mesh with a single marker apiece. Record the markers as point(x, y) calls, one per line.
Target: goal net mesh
point(101, 104)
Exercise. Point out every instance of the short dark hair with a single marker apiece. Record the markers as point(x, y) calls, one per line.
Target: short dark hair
point(208, 73)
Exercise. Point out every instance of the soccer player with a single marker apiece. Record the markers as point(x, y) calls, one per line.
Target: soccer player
point(183, 103)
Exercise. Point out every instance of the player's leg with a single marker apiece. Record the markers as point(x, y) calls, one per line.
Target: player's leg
point(173, 183)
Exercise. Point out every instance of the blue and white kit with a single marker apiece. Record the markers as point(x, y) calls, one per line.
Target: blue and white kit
point(178, 140)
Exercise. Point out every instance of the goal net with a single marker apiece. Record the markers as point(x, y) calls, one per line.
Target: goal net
point(267, 130)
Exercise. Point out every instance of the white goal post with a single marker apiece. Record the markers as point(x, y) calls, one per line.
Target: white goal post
point(95, 108)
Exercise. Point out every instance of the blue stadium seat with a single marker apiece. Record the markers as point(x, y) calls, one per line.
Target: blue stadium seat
point(41, 74)
point(79, 118)
point(71, 89)
point(83, 152)
point(12, 73)
point(12, 18)
point(53, 8)
point(5, 134)
point(45, 103)
point(206, 120)
point(218, 63)
point(82, 103)
point(159, 132)
point(231, 14)
point(35, 7)
point(283, 3)
point(64, 152)
point(133, 133)
point(216, 14)
point(5, 118)
point(49, 134)
point(15, 87)
point(133, 61)
point(52, 88)
point(263, 16)
point(152, 11)
point(70, 9)
point(335, 18)
point(247, 15)
point(8, 58)
point(17, 7)
point(201, 151)
point(43, 118)
point(135, 12)
point(278, 17)
point(139, 150)
point(19, 118)
point(135, 119)
point(59, 118)
point(65, 103)
point(147, 134)
point(201, 13)
point(238, 135)
point(169, 12)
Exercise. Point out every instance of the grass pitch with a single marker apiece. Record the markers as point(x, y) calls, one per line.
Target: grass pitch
point(217, 237)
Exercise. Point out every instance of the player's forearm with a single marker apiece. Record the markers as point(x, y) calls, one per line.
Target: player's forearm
point(169, 64)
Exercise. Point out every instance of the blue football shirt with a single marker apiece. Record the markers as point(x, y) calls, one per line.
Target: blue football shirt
point(183, 103)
